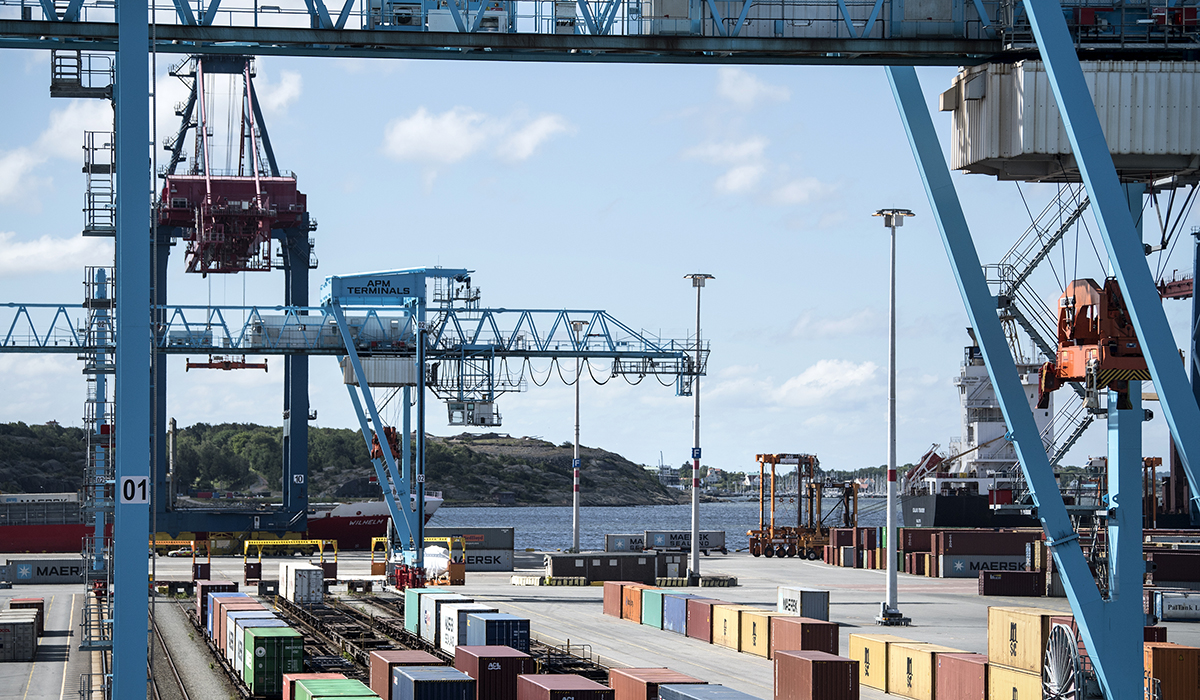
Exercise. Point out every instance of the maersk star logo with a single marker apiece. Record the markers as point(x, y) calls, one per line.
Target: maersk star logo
point(25, 571)
point(958, 565)
point(620, 545)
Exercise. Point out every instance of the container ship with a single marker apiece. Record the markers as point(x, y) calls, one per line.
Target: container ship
point(55, 522)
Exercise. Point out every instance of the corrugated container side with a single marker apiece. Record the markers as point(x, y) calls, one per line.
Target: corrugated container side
point(652, 606)
point(961, 677)
point(803, 634)
point(701, 692)
point(207, 618)
point(1010, 684)
point(1176, 667)
point(699, 617)
point(289, 681)
point(675, 612)
point(807, 602)
point(229, 643)
point(1154, 634)
point(498, 629)
point(314, 688)
point(269, 654)
point(431, 683)
point(203, 588)
point(727, 624)
point(18, 638)
point(454, 623)
point(756, 631)
point(815, 675)
point(1017, 637)
point(912, 669)
point(612, 597)
point(643, 683)
point(871, 653)
point(631, 602)
point(547, 686)
point(383, 661)
point(430, 613)
point(494, 668)
point(221, 616)
point(412, 606)
point(38, 604)
point(239, 637)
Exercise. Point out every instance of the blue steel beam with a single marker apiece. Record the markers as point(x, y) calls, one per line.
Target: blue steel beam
point(135, 345)
point(1121, 235)
point(1089, 608)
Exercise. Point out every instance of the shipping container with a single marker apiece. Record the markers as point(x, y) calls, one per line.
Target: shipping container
point(1017, 637)
point(970, 565)
point(1177, 606)
point(431, 683)
point(18, 637)
point(681, 540)
point(652, 606)
point(700, 617)
point(498, 629)
point(548, 686)
point(487, 559)
point(454, 623)
point(756, 631)
point(1010, 684)
point(1154, 634)
point(494, 668)
point(221, 611)
point(969, 542)
point(701, 692)
point(871, 653)
point(612, 596)
point(477, 538)
point(239, 637)
point(624, 543)
point(805, 602)
point(203, 588)
point(430, 610)
point(289, 681)
point(815, 675)
point(631, 601)
point(207, 619)
point(412, 607)
point(803, 634)
point(302, 583)
point(38, 604)
point(727, 624)
point(675, 612)
point(912, 668)
point(961, 677)
point(384, 660)
point(1175, 667)
point(1030, 584)
point(643, 683)
point(270, 653)
point(231, 618)
point(216, 603)
point(1174, 567)
point(315, 688)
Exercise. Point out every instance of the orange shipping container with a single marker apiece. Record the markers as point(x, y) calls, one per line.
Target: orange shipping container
point(631, 601)
point(1176, 668)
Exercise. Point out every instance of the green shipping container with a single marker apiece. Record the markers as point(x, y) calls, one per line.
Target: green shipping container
point(313, 688)
point(270, 653)
point(412, 607)
point(652, 605)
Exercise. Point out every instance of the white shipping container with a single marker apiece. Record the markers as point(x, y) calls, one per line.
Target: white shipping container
point(454, 623)
point(1007, 122)
point(18, 638)
point(382, 371)
point(303, 584)
point(1177, 606)
point(430, 607)
point(231, 628)
point(805, 602)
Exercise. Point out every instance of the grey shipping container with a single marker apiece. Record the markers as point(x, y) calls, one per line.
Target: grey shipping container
point(805, 602)
point(431, 683)
point(478, 538)
point(454, 623)
point(681, 540)
point(701, 692)
point(489, 560)
point(498, 629)
point(624, 543)
point(18, 638)
point(431, 613)
point(46, 570)
point(1177, 605)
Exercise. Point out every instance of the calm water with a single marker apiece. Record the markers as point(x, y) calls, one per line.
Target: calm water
point(550, 527)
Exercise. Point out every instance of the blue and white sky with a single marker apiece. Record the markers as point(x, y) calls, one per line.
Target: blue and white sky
point(584, 186)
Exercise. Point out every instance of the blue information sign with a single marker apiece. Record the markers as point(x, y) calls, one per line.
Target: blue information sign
point(575, 463)
point(695, 453)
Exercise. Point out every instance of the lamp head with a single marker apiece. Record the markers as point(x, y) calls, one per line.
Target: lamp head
point(698, 278)
point(893, 217)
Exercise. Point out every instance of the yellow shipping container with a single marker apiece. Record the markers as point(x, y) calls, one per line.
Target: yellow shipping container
point(1017, 637)
point(1011, 684)
point(1175, 667)
point(912, 668)
point(727, 624)
point(871, 653)
point(756, 631)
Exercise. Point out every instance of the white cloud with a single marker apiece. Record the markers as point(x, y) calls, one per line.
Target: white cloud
point(863, 321)
point(15, 169)
point(48, 254)
point(459, 133)
point(277, 97)
point(826, 379)
point(745, 90)
point(729, 152)
point(800, 191)
point(63, 138)
point(741, 178)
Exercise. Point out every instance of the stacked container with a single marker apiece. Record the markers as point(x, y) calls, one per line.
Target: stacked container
point(431, 609)
point(652, 605)
point(815, 675)
point(203, 588)
point(454, 623)
point(315, 688)
point(213, 599)
point(806, 602)
point(727, 624)
point(431, 683)
point(383, 661)
point(871, 653)
point(700, 617)
point(269, 653)
point(1175, 667)
point(412, 606)
point(643, 683)
point(558, 687)
point(803, 634)
point(674, 617)
point(239, 637)
point(961, 677)
point(494, 668)
point(289, 681)
point(498, 629)
point(912, 668)
point(612, 596)
point(701, 692)
point(631, 601)
point(220, 614)
point(303, 584)
point(18, 635)
point(756, 631)
point(1016, 643)
point(227, 642)
point(38, 604)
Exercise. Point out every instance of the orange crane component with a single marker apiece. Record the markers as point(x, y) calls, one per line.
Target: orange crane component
point(809, 534)
point(225, 363)
point(1097, 344)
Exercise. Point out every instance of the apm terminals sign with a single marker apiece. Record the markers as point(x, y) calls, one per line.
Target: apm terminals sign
point(45, 570)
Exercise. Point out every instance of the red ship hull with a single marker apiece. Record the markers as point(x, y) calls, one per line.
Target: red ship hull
point(39, 539)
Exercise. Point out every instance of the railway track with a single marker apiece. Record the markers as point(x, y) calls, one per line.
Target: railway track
point(154, 681)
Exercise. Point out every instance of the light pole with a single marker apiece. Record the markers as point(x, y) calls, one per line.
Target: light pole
point(577, 326)
point(890, 612)
point(697, 279)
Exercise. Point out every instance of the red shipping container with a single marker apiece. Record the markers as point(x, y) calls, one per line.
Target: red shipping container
point(560, 687)
point(612, 596)
point(383, 661)
point(815, 675)
point(203, 588)
point(494, 668)
point(916, 539)
point(803, 634)
point(986, 542)
point(841, 537)
point(631, 601)
point(961, 677)
point(289, 681)
point(699, 617)
point(224, 606)
point(1154, 634)
point(1173, 567)
point(642, 683)
point(1012, 583)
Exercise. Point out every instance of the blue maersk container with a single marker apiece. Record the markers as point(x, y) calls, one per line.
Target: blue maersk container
point(498, 629)
point(431, 683)
point(701, 692)
point(210, 606)
point(674, 616)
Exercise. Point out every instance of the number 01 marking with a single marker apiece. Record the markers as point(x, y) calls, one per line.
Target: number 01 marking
point(135, 489)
